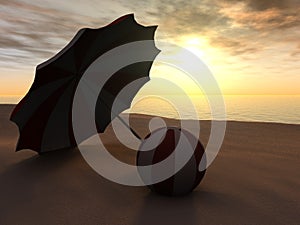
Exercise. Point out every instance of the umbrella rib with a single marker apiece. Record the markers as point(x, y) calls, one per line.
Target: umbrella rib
point(120, 118)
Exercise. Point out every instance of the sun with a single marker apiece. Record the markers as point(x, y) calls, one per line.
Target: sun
point(196, 45)
point(193, 42)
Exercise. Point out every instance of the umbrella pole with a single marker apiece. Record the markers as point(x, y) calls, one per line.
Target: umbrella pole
point(126, 125)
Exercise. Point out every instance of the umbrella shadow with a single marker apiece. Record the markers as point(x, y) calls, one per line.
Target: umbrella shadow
point(39, 165)
point(20, 182)
point(46, 161)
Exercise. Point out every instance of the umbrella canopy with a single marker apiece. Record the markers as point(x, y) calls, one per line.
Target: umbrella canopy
point(44, 115)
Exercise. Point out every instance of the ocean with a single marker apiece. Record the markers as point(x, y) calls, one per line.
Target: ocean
point(261, 108)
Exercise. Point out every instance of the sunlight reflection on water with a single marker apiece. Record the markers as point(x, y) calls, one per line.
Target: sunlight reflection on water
point(264, 108)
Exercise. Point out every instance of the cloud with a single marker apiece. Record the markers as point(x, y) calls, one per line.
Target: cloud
point(192, 17)
point(235, 47)
point(39, 31)
point(36, 32)
point(33, 31)
point(262, 5)
point(268, 20)
point(235, 26)
point(296, 52)
point(258, 24)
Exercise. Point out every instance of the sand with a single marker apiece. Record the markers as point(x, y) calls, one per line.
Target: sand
point(254, 180)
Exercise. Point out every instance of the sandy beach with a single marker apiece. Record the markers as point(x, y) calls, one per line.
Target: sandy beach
point(254, 180)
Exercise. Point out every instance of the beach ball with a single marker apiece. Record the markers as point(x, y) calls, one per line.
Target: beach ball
point(168, 160)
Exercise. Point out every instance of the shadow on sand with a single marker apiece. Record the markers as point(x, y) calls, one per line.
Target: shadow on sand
point(60, 186)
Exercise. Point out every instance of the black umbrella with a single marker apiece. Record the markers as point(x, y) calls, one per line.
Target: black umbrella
point(44, 115)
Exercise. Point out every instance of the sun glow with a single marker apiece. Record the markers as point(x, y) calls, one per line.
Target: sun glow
point(195, 45)
point(193, 41)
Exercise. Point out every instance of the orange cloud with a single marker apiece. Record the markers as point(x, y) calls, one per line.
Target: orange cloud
point(269, 19)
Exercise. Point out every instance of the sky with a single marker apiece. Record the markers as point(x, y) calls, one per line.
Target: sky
point(251, 46)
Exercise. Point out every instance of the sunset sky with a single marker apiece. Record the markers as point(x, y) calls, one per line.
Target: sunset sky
point(251, 46)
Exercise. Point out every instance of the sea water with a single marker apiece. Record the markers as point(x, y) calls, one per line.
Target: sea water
point(263, 108)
